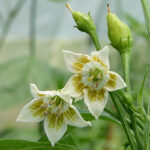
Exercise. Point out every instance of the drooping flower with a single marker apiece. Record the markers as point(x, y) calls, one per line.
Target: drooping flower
point(92, 79)
point(56, 109)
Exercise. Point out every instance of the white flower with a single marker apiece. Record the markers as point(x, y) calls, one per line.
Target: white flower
point(92, 79)
point(56, 109)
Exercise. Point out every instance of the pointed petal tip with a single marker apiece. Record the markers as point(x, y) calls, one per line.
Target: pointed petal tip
point(32, 85)
point(65, 51)
point(53, 144)
point(89, 123)
point(96, 117)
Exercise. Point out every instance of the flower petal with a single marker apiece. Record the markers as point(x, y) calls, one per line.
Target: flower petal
point(115, 82)
point(74, 86)
point(74, 118)
point(66, 97)
point(101, 57)
point(55, 128)
point(95, 100)
point(32, 112)
point(74, 61)
point(38, 94)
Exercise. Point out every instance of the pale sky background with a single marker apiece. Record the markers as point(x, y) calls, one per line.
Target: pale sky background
point(54, 20)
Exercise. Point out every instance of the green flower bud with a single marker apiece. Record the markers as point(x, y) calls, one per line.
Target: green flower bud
point(85, 23)
point(118, 32)
point(128, 98)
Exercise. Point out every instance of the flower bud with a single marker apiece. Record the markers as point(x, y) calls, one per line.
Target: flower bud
point(85, 23)
point(128, 98)
point(118, 32)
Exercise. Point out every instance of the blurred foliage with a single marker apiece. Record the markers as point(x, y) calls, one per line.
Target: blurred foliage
point(138, 28)
point(146, 8)
point(58, 0)
point(17, 74)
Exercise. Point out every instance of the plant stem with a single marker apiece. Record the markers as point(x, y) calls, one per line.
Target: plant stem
point(33, 11)
point(146, 12)
point(7, 24)
point(146, 135)
point(147, 129)
point(125, 56)
point(123, 120)
point(95, 39)
point(136, 132)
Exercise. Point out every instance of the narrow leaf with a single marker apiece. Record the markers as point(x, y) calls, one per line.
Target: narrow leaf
point(140, 95)
point(28, 145)
point(146, 11)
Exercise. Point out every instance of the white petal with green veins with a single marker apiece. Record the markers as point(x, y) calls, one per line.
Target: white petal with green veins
point(102, 56)
point(74, 87)
point(54, 128)
point(38, 94)
point(96, 101)
point(115, 82)
point(31, 112)
point(74, 118)
point(74, 61)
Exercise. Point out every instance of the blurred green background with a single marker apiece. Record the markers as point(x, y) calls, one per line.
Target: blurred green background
point(32, 36)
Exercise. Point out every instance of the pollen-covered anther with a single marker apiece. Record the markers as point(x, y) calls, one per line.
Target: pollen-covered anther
point(99, 76)
point(44, 105)
point(46, 113)
point(91, 78)
point(53, 101)
point(58, 112)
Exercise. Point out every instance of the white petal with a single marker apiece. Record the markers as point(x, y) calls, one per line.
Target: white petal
point(73, 89)
point(97, 105)
point(66, 97)
point(75, 61)
point(103, 55)
point(115, 82)
point(74, 118)
point(26, 114)
point(54, 134)
point(37, 94)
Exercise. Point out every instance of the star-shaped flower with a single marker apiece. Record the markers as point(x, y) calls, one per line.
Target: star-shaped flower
point(92, 79)
point(56, 109)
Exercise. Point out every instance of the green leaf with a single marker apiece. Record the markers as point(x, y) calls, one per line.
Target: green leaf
point(140, 95)
point(146, 11)
point(104, 116)
point(67, 139)
point(28, 145)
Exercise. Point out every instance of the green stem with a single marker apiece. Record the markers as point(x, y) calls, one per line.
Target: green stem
point(133, 122)
point(95, 39)
point(33, 10)
point(125, 56)
point(123, 120)
point(136, 132)
point(146, 135)
point(147, 129)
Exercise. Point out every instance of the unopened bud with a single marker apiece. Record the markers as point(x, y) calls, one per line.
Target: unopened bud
point(85, 23)
point(118, 32)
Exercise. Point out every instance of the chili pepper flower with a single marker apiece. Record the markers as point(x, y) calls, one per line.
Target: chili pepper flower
point(56, 109)
point(92, 79)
